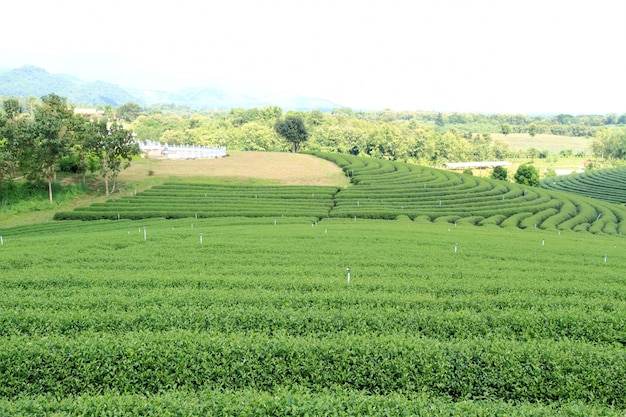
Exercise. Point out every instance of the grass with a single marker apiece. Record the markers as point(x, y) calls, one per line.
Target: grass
point(552, 143)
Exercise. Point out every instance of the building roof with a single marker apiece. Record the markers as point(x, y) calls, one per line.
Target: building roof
point(481, 164)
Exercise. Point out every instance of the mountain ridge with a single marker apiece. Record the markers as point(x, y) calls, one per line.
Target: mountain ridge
point(30, 80)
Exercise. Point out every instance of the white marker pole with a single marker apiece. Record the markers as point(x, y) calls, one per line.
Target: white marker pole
point(543, 242)
point(144, 233)
point(200, 239)
point(456, 247)
point(348, 272)
point(1, 240)
point(605, 258)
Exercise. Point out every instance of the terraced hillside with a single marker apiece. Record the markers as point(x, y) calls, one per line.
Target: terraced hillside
point(604, 184)
point(258, 314)
point(387, 190)
point(380, 190)
point(199, 200)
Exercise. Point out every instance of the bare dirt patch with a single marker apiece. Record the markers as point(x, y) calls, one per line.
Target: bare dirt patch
point(272, 167)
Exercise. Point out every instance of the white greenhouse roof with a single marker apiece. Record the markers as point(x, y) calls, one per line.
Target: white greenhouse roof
point(481, 164)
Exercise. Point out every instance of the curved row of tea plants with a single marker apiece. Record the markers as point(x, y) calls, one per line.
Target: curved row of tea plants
point(436, 320)
point(199, 200)
point(389, 189)
point(381, 190)
point(605, 184)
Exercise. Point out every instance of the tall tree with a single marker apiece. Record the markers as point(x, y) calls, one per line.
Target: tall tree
point(292, 129)
point(49, 135)
point(115, 147)
point(129, 111)
point(12, 107)
point(10, 128)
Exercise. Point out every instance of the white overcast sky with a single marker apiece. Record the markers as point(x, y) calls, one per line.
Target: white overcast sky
point(448, 55)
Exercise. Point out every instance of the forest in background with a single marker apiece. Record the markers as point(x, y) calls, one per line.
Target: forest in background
point(429, 138)
point(421, 137)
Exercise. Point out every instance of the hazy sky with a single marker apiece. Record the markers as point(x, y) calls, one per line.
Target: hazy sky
point(449, 55)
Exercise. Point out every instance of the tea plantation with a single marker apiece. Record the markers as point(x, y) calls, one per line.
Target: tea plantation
point(239, 302)
point(605, 184)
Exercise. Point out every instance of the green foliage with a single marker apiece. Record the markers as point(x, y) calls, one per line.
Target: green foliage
point(129, 111)
point(180, 200)
point(390, 189)
point(53, 138)
point(70, 164)
point(292, 129)
point(499, 173)
point(17, 197)
point(610, 143)
point(603, 184)
point(259, 319)
point(12, 107)
point(114, 147)
point(527, 175)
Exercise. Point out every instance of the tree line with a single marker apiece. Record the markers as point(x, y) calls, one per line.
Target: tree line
point(40, 137)
point(420, 137)
point(48, 136)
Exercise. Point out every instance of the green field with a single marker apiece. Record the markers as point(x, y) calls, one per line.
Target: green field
point(604, 184)
point(445, 314)
point(552, 143)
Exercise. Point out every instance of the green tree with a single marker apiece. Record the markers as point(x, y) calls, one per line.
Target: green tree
point(10, 129)
point(609, 143)
point(505, 128)
point(501, 150)
point(532, 130)
point(48, 137)
point(499, 173)
point(129, 111)
point(292, 129)
point(12, 107)
point(439, 120)
point(115, 147)
point(527, 175)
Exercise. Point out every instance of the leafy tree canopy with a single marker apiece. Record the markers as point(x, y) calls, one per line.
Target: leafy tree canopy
point(499, 173)
point(527, 175)
point(292, 129)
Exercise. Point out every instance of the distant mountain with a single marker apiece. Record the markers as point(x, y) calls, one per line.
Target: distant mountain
point(33, 81)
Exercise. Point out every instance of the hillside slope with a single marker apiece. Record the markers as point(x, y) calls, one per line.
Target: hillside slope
point(604, 184)
point(380, 189)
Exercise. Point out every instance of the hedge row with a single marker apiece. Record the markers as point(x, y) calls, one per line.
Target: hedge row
point(151, 363)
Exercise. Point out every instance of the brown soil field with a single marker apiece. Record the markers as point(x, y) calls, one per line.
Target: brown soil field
point(265, 167)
